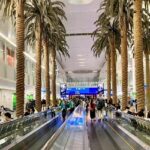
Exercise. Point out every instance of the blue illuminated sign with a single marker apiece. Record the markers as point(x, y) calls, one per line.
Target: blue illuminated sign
point(82, 90)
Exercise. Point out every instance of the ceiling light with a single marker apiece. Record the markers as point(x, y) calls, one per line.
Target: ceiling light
point(81, 59)
point(81, 62)
point(79, 55)
point(80, 1)
point(82, 65)
point(95, 71)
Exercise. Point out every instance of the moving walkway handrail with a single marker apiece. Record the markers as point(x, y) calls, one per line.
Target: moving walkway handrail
point(26, 141)
point(51, 141)
point(139, 120)
point(17, 123)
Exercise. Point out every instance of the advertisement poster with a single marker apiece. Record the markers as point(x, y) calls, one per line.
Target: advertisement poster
point(101, 88)
point(63, 90)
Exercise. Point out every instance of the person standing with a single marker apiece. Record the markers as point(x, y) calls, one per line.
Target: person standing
point(92, 110)
point(99, 105)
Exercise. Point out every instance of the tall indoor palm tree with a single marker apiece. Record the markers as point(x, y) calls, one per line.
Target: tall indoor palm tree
point(122, 11)
point(146, 46)
point(107, 27)
point(53, 81)
point(51, 24)
point(108, 75)
point(34, 22)
point(48, 16)
point(59, 45)
point(47, 70)
point(138, 48)
point(125, 16)
point(100, 44)
point(16, 8)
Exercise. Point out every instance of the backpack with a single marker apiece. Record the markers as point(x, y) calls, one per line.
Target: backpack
point(100, 105)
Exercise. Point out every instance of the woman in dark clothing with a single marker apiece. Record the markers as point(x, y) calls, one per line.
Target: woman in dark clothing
point(92, 110)
point(87, 108)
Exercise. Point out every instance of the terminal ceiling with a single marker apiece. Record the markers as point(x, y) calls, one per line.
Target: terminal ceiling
point(82, 65)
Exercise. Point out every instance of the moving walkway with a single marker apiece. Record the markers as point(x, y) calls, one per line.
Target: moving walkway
point(77, 132)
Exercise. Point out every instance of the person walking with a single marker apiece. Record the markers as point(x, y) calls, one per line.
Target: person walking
point(99, 105)
point(92, 110)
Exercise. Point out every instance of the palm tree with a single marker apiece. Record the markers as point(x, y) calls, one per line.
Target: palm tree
point(34, 22)
point(47, 76)
point(138, 47)
point(107, 33)
point(113, 67)
point(108, 75)
point(16, 8)
point(53, 87)
point(146, 44)
point(47, 15)
point(125, 23)
point(122, 11)
point(100, 44)
point(59, 45)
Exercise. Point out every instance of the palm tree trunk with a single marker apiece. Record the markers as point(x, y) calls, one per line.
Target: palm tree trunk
point(20, 28)
point(138, 44)
point(124, 61)
point(108, 76)
point(113, 69)
point(38, 67)
point(53, 55)
point(47, 77)
point(147, 81)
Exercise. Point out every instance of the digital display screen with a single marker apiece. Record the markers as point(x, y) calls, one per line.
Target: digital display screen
point(101, 89)
point(82, 90)
point(63, 89)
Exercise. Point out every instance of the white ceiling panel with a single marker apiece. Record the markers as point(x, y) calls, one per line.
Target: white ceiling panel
point(82, 65)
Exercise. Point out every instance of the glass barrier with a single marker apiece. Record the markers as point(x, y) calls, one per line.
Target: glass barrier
point(137, 126)
point(11, 131)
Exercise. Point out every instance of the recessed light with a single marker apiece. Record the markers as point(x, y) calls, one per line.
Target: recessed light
point(69, 71)
point(79, 55)
point(82, 65)
point(80, 1)
point(81, 62)
point(80, 59)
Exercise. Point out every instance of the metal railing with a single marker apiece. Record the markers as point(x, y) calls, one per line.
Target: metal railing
point(25, 124)
point(138, 126)
point(36, 134)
